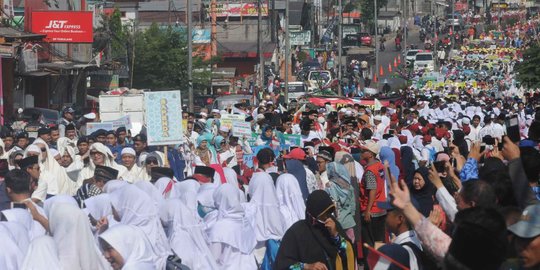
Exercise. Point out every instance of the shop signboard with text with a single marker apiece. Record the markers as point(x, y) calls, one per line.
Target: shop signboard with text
point(64, 26)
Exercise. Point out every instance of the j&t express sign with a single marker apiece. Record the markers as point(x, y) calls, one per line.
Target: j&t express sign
point(64, 26)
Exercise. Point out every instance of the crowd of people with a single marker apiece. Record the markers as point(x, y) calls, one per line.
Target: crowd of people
point(445, 178)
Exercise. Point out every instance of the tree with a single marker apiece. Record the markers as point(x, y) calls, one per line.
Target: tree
point(161, 60)
point(367, 9)
point(529, 70)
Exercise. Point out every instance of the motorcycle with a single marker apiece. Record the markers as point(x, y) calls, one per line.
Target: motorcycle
point(422, 34)
point(382, 47)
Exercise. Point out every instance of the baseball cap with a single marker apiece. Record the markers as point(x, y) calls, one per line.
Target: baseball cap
point(371, 146)
point(68, 110)
point(528, 225)
point(296, 153)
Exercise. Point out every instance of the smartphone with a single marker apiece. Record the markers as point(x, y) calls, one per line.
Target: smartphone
point(512, 128)
point(488, 140)
point(439, 166)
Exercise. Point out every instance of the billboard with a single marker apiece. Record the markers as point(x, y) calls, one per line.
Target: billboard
point(163, 117)
point(241, 9)
point(64, 26)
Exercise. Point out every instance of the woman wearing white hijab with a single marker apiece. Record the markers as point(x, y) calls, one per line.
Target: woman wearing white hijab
point(53, 179)
point(66, 147)
point(151, 191)
point(267, 220)
point(11, 256)
point(232, 236)
point(42, 255)
point(135, 207)
point(50, 202)
point(127, 248)
point(101, 155)
point(166, 187)
point(76, 245)
point(113, 185)
point(98, 207)
point(187, 237)
point(24, 218)
point(232, 178)
point(187, 191)
point(291, 202)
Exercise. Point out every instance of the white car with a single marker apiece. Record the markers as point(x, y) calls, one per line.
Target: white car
point(424, 60)
point(410, 55)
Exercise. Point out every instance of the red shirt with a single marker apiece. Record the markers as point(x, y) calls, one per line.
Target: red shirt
point(376, 169)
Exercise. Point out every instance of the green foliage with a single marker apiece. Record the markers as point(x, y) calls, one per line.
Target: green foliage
point(529, 70)
point(367, 9)
point(161, 61)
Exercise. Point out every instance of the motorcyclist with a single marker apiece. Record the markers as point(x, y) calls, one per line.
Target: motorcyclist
point(382, 40)
point(397, 40)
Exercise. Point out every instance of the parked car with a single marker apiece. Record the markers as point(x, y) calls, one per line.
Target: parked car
point(296, 90)
point(365, 39)
point(410, 56)
point(49, 116)
point(228, 101)
point(424, 60)
point(357, 40)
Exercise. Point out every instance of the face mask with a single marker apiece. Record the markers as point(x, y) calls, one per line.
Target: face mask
point(203, 210)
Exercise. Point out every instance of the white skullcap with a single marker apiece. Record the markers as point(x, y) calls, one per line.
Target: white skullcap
point(54, 152)
point(465, 121)
point(223, 129)
point(377, 118)
point(128, 151)
point(90, 116)
point(203, 114)
point(33, 148)
point(260, 117)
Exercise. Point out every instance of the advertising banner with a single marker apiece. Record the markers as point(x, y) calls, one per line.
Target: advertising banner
point(240, 9)
point(64, 26)
point(300, 38)
point(124, 121)
point(163, 117)
point(228, 119)
point(94, 126)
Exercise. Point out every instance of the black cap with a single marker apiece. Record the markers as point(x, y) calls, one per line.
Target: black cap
point(328, 149)
point(204, 170)
point(70, 127)
point(139, 138)
point(22, 135)
point(158, 172)
point(27, 162)
point(104, 173)
point(43, 131)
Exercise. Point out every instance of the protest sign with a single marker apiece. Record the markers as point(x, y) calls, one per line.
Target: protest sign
point(241, 129)
point(124, 121)
point(293, 139)
point(227, 120)
point(94, 126)
point(163, 117)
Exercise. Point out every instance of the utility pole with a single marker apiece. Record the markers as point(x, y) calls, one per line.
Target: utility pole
point(405, 23)
point(453, 3)
point(287, 51)
point(340, 21)
point(260, 47)
point(190, 53)
point(376, 39)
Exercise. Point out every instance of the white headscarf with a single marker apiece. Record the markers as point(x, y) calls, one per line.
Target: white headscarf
point(161, 185)
point(136, 208)
point(232, 227)
point(42, 255)
point(151, 191)
point(76, 245)
point(187, 191)
point(187, 237)
point(11, 256)
point(232, 178)
point(132, 245)
point(98, 206)
point(291, 202)
point(88, 171)
point(268, 222)
point(18, 233)
point(64, 146)
point(24, 218)
point(113, 185)
point(50, 202)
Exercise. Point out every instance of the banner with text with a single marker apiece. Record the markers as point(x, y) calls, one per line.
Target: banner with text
point(163, 117)
point(64, 26)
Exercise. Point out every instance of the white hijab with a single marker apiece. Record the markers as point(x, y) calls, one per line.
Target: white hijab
point(187, 237)
point(291, 202)
point(11, 256)
point(162, 183)
point(88, 171)
point(268, 222)
point(133, 246)
point(232, 178)
point(151, 191)
point(77, 248)
point(24, 218)
point(187, 191)
point(136, 208)
point(113, 185)
point(42, 255)
point(50, 202)
point(98, 206)
point(232, 227)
